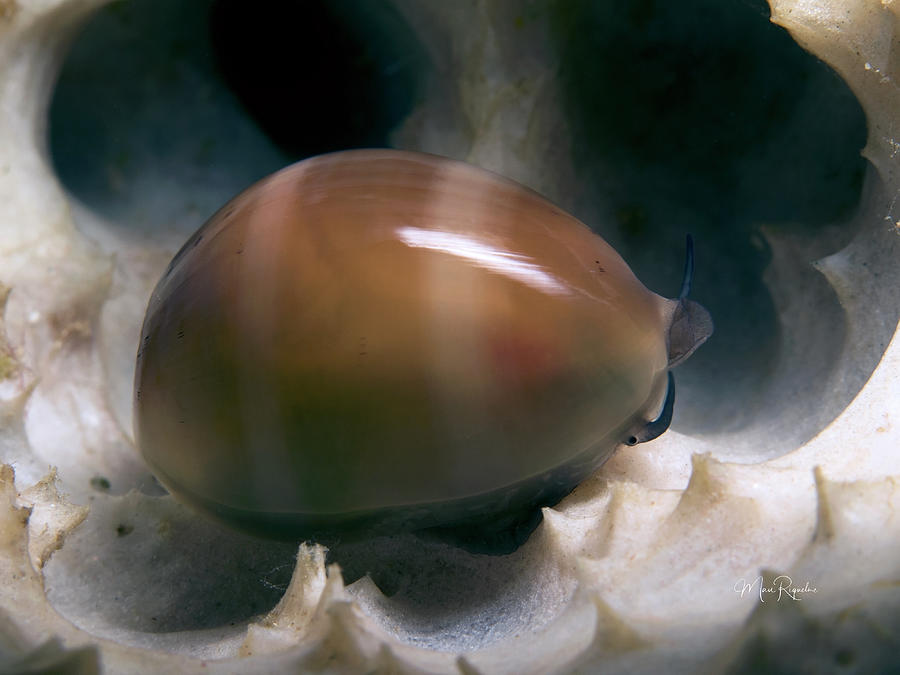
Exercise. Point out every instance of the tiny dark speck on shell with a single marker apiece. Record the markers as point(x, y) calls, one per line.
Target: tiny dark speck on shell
point(506, 370)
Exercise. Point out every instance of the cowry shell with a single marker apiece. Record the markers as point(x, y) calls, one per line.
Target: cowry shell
point(381, 340)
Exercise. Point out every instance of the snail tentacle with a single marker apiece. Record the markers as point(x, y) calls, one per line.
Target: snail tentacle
point(688, 277)
point(657, 427)
point(690, 324)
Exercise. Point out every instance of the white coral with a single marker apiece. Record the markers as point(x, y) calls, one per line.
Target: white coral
point(654, 564)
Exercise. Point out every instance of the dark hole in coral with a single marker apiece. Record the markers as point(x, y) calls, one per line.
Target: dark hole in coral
point(164, 109)
point(100, 483)
point(704, 117)
point(317, 76)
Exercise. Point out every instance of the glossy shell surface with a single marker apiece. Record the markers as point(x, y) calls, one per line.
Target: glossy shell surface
point(388, 340)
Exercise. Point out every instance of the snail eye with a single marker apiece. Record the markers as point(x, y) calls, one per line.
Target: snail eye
point(379, 341)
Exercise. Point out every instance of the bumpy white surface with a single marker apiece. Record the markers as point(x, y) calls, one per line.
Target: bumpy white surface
point(637, 570)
